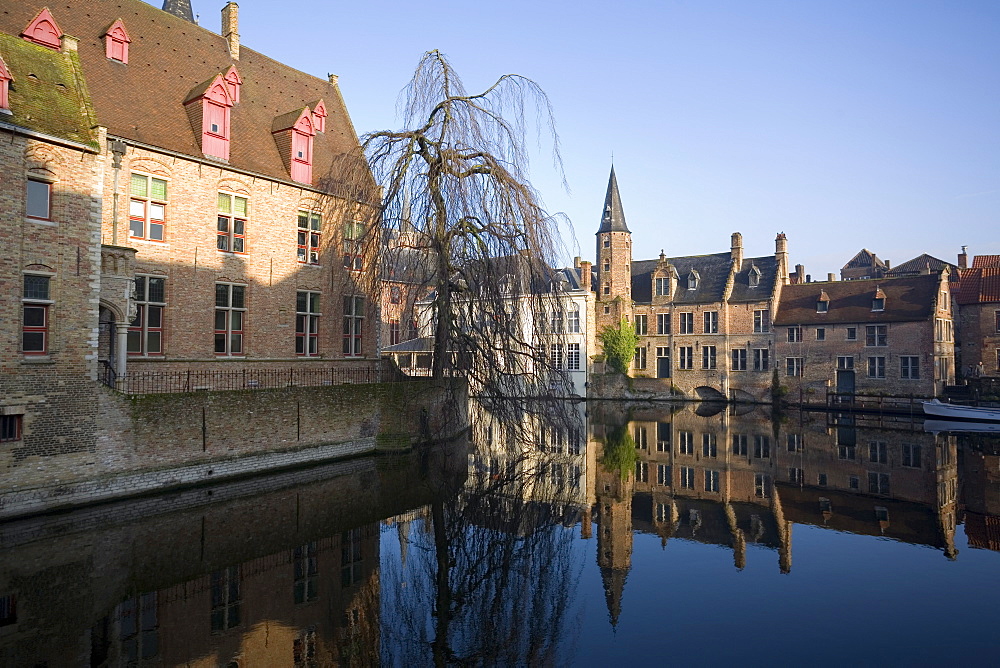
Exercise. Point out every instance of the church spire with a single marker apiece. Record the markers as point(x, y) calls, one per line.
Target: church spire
point(613, 217)
point(179, 8)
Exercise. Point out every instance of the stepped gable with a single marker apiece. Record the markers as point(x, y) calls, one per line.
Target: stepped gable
point(906, 299)
point(168, 56)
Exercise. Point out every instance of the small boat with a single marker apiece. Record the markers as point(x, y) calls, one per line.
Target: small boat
point(956, 412)
point(963, 426)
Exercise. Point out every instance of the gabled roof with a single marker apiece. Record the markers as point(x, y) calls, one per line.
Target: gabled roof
point(979, 285)
point(919, 265)
point(612, 216)
point(143, 101)
point(49, 95)
point(983, 261)
point(864, 258)
point(909, 298)
point(713, 273)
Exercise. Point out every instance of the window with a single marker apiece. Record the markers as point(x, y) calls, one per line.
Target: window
point(761, 361)
point(753, 277)
point(793, 366)
point(854, 482)
point(693, 280)
point(852, 333)
point(711, 322)
point(794, 442)
point(878, 304)
point(394, 332)
point(556, 356)
point(686, 442)
point(354, 316)
point(147, 207)
point(822, 306)
point(350, 557)
point(663, 322)
point(740, 445)
point(942, 329)
point(225, 585)
point(685, 357)
point(354, 233)
point(230, 316)
point(761, 446)
point(708, 445)
point(876, 335)
point(232, 223)
point(663, 474)
point(607, 264)
point(639, 435)
point(607, 309)
point(607, 242)
point(8, 609)
point(662, 512)
point(662, 287)
point(687, 323)
point(39, 198)
point(876, 367)
point(878, 483)
point(796, 476)
point(145, 333)
point(310, 224)
point(821, 334)
point(10, 427)
point(640, 357)
point(708, 357)
point(911, 456)
point(687, 477)
point(909, 367)
point(739, 359)
point(847, 452)
point(821, 480)
point(881, 514)
point(573, 321)
point(711, 481)
point(573, 356)
point(304, 585)
point(663, 437)
point(35, 315)
point(997, 316)
point(845, 363)
point(556, 321)
point(641, 471)
point(307, 323)
point(877, 452)
point(762, 485)
point(794, 334)
point(761, 321)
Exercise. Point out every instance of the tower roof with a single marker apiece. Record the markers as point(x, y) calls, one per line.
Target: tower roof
point(179, 8)
point(613, 217)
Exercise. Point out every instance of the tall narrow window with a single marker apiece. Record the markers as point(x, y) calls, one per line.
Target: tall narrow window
point(708, 357)
point(226, 598)
point(685, 357)
point(739, 359)
point(232, 223)
point(573, 356)
point(687, 323)
point(662, 287)
point(394, 332)
point(711, 324)
point(793, 366)
point(573, 320)
point(145, 333)
point(909, 367)
point(307, 323)
point(641, 324)
point(640, 358)
point(711, 481)
point(35, 315)
point(761, 321)
point(147, 208)
point(39, 203)
point(761, 359)
point(310, 224)
point(305, 587)
point(354, 233)
point(354, 317)
point(663, 322)
point(230, 317)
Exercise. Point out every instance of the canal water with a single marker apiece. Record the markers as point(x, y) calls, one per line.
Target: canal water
point(559, 534)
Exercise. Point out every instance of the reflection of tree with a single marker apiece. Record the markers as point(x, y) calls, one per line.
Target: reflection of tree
point(619, 451)
point(494, 563)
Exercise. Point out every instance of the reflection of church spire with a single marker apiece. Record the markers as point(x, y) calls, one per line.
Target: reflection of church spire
point(614, 535)
point(403, 533)
point(614, 588)
point(784, 532)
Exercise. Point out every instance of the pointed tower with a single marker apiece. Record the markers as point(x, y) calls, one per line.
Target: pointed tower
point(179, 8)
point(614, 250)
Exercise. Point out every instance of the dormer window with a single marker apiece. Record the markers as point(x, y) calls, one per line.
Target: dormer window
point(823, 303)
point(233, 83)
point(319, 116)
point(693, 280)
point(43, 30)
point(116, 41)
point(5, 78)
point(878, 301)
point(661, 286)
point(293, 133)
point(754, 276)
point(208, 108)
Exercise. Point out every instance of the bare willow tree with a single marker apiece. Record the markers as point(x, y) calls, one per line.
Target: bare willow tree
point(456, 197)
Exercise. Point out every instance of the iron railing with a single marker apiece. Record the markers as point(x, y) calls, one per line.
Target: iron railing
point(167, 382)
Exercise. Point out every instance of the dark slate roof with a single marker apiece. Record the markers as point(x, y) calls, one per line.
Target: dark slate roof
point(919, 264)
point(179, 8)
point(45, 96)
point(864, 258)
point(742, 292)
point(613, 216)
point(979, 285)
point(909, 298)
point(168, 56)
point(713, 273)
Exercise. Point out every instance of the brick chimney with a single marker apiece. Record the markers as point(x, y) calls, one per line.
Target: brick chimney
point(585, 275)
point(963, 258)
point(736, 250)
point(230, 28)
point(781, 256)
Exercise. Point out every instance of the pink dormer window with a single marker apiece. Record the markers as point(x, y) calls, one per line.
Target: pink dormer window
point(293, 132)
point(5, 78)
point(116, 41)
point(233, 83)
point(319, 116)
point(208, 108)
point(43, 30)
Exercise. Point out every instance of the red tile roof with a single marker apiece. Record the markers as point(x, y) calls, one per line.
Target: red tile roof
point(979, 285)
point(143, 100)
point(983, 261)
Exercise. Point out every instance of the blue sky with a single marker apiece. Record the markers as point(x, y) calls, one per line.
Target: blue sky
point(843, 124)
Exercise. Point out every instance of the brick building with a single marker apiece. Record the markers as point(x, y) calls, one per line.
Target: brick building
point(978, 299)
point(703, 321)
point(864, 265)
point(893, 335)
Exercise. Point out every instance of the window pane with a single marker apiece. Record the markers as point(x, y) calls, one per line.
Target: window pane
point(303, 220)
point(153, 342)
point(159, 190)
point(225, 203)
point(223, 224)
point(301, 301)
point(314, 302)
point(156, 231)
point(300, 324)
point(236, 343)
point(36, 287)
point(139, 185)
point(220, 343)
point(220, 320)
point(316, 221)
point(154, 316)
point(238, 296)
point(236, 320)
point(33, 342)
point(221, 295)
point(34, 316)
point(156, 289)
point(137, 209)
point(156, 212)
point(238, 226)
point(299, 345)
point(133, 343)
point(38, 199)
point(238, 245)
point(240, 206)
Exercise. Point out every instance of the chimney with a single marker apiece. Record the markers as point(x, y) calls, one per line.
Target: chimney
point(230, 28)
point(809, 278)
point(585, 275)
point(333, 78)
point(576, 262)
point(68, 44)
point(736, 250)
point(781, 255)
point(800, 273)
point(963, 258)
point(831, 277)
point(888, 265)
